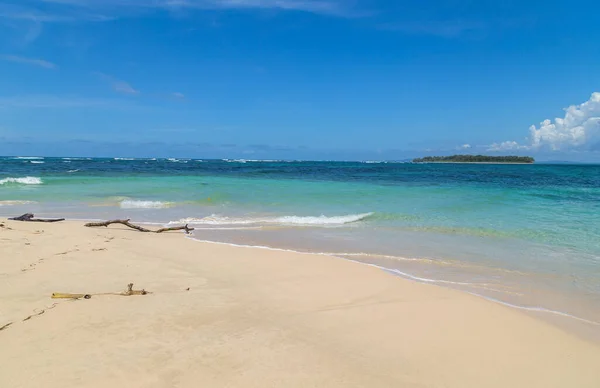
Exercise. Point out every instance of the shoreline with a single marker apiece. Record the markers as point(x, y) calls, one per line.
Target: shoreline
point(586, 328)
point(255, 318)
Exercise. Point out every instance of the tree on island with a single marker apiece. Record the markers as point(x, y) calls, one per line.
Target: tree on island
point(474, 159)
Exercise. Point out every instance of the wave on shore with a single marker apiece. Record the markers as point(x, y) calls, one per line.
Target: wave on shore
point(12, 203)
point(134, 204)
point(283, 220)
point(28, 180)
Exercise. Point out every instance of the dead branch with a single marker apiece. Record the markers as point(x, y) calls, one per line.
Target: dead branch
point(29, 217)
point(137, 227)
point(129, 292)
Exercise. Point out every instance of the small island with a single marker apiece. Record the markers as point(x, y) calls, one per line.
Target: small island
point(476, 159)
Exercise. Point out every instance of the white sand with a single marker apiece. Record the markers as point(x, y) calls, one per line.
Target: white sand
point(253, 318)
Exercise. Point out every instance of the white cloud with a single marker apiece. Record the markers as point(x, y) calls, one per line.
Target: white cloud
point(178, 95)
point(579, 129)
point(28, 61)
point(465, 147)
point(507, 146)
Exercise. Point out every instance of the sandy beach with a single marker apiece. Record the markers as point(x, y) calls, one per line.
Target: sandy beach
point(225, 316)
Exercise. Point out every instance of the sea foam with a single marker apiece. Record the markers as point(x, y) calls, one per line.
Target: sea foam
point(134, 204)
point(28, 180)
point(284, 220)
point(12, 203)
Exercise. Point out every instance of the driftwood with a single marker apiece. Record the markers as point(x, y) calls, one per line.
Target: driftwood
point(129, 292)
point(136, 227)
point(29, 217)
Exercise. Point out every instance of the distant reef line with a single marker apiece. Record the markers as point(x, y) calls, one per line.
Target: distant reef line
point(476, 159)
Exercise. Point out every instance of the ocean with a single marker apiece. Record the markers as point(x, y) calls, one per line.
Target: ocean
point(527, 236)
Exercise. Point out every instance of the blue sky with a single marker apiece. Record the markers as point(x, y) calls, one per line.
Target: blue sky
point(324, 79)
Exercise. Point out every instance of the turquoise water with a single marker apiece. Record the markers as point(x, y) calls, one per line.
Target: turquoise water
point(528, 235)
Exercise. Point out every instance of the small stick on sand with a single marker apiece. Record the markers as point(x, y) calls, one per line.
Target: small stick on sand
point(129, 292)
point(5, 326)
point(136, 227)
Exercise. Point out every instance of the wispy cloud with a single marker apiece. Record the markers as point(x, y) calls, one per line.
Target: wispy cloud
point(28, 12)
point(33, 32)
point(118, 85)
point(52, 101)
point(579, 129)
point(178, 95)
point(444, 29)
point(28, 61)
point(117, 8)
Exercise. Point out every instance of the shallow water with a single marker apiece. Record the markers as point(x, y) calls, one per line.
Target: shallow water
point(524, 234)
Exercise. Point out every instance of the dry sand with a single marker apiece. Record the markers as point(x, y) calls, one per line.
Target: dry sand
point(253, 318)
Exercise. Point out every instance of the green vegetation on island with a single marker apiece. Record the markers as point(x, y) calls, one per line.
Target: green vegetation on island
point(474, 159)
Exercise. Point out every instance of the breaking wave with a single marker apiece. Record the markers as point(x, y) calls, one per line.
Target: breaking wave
point(284, 220)
point(28, 180)
point(133, 204)
point(36, 162)
point(12, 203)
point(28, 157)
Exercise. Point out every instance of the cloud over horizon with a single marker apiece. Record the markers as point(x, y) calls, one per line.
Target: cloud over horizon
point(579, 129)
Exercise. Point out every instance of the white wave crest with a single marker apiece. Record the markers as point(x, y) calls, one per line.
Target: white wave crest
point(123, 158)
point(323, 220)
point(12, 203)
point(134, 204)
point(285, 220)
point(72, 171)
point(36, 162)
point(28, 180)
point(28, 157)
